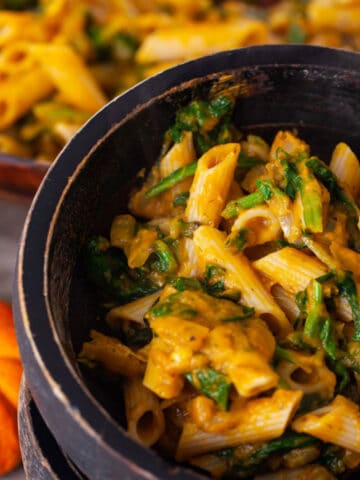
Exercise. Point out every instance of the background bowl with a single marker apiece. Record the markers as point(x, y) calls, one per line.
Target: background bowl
point(316, 90)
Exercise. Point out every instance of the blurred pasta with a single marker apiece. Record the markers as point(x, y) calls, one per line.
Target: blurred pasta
point(75, 56)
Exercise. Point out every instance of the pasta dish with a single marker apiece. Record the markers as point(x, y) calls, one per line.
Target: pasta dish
point(231, 304)
point(61, 60)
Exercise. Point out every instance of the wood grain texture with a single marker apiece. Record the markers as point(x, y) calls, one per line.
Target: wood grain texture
point(42, 458)
point(21, 176)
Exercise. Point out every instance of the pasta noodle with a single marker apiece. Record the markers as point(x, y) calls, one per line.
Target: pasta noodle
point(337, 423)
point(144, 416)
point(308, 374)
point(211, 184)
point(290, 268)
point(345, 165)
point(232, 308)
point(259, 420)
point(13, 103)
point(211, 249)
point(70, 75)
point(92, 50)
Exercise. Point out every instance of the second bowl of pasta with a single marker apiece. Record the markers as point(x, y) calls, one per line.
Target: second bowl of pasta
point(186, 299)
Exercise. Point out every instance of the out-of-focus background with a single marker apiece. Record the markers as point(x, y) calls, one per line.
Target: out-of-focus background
point(62, 60)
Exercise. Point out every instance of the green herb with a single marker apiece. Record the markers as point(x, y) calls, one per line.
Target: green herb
point(291, 174)
point(328, 178)
point(101, 47)
point(238, 239)
point(172, 179)
point(328, 338)
point(51, 112)
point(312, 209)
point(288, 441)
point(296, 341)
point(203, 119)
point(347, 289)
point(331, 458)
point(296, 33)
point(301, 299)
point(165, 259)
point(107, 269)
point(244, 162)
point(326, 277)
point(266, 188)
point(284, 243)
point(313, 320)
point(341, 373)
point(310, 196)
point(234, 207)
point(185, 229)
point(212, 384)
point(186, 283)
point(214, 279)
point(173, 305)
point(284, 354)
point(181, 199)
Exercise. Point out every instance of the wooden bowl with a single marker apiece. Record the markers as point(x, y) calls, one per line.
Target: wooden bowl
point(42, 457)
point(314, 89)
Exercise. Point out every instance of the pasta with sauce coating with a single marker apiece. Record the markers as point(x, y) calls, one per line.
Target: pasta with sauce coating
point(233, 310)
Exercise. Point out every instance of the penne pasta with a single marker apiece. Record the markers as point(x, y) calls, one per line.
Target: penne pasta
point(262, 224)
point(337, 423)
point(210, 249)
point(16, 58)
point(259, 420)
point(290, 268)
point(13, 104)
point(180, 155)
point(113, 355)
point(211, 184)
point(134, 311)
point(345, 164)
point(195, 40)
point(165, 385)
point(309, 374)
point(286, 302)
point(327, 14)
point(70, 76)
point(145, 418)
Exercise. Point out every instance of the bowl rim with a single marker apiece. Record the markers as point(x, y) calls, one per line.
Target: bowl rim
point(40, 347)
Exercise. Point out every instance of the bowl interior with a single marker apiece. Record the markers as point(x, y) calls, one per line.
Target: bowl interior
point(321, 102)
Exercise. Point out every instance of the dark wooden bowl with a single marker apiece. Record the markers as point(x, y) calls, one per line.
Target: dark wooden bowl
point(42, 457)
point(314, 89)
